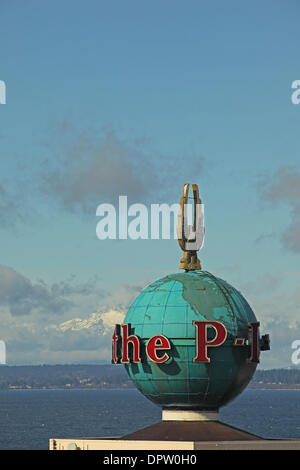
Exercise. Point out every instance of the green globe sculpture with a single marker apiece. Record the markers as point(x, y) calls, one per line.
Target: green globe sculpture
point(168, 307)
point(190, 341)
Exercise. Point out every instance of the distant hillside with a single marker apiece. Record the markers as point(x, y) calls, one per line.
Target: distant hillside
point(276, 378)
point(64, 376)
point(112, 376)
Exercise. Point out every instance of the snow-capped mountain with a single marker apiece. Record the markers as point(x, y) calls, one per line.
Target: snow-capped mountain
point(103, 321)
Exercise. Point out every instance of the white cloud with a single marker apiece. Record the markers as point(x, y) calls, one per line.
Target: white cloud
point(23, 297)
point(284, 187)
point(94, 167)
point(277, 309)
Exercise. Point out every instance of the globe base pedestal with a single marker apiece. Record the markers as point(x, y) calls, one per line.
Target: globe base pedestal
point(189, 415)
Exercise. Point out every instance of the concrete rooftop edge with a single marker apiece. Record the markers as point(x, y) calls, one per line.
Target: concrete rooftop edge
point(121, 444)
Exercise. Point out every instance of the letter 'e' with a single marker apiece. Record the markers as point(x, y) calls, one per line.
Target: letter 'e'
point(158, 342)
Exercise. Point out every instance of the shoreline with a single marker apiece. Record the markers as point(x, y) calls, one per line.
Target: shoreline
point(122, 389)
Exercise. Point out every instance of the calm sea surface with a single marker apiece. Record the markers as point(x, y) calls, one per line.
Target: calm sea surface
point(29, 418)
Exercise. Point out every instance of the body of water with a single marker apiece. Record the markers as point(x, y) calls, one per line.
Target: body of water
point(29, 418)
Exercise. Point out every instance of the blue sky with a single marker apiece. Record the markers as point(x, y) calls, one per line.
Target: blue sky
point(182, 92)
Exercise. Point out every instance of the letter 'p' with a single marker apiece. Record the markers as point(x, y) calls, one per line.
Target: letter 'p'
point(202, 342)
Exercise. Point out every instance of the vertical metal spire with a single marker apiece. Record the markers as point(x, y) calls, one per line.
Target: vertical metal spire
point(190, 237)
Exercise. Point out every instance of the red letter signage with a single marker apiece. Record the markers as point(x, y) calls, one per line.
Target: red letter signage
point(134, 340)
point(158, 342)
point(202, 342)
point(126, 347)
point(115, 343)
point(253, 340)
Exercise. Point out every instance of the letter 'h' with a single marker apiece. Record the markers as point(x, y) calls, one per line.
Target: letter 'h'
point(126, 340)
